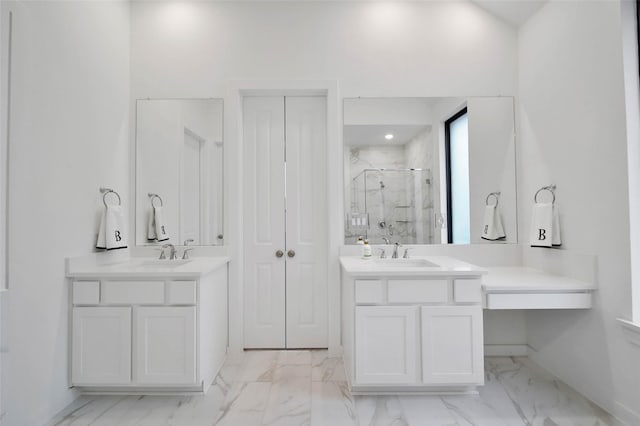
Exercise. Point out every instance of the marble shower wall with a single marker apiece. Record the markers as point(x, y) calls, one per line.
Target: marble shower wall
point(399, 203)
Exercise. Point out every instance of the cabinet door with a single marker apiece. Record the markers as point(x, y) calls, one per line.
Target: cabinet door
point(165, 345)
point(386, 344)
point(264, 223)
point(452, 351)
point(306, 224)
point(101, 346)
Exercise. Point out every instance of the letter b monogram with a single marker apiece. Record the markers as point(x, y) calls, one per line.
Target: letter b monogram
point(118, 237)
point(542, 234)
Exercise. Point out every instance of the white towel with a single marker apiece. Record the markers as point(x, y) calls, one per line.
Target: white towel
point(151, 225)
point(541, 234)
point(112, 233)
point(156, 228)
point(492, 228)
point(555, 228)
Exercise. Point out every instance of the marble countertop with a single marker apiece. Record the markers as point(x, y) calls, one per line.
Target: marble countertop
point(442, 266)
point(523, 279)
point(146, 267)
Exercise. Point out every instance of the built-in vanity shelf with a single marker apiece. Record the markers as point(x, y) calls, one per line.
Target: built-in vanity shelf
point(147, 326)
point(412, 325)
point(528, 288)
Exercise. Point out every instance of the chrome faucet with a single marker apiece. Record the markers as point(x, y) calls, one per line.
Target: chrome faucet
point(383, 255)
point(406, 253)
point(173, 255)
point(185, 255)
point(395, 250)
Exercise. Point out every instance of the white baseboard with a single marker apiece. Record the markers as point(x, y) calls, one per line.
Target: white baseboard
point(506, 350)
point(626, 414)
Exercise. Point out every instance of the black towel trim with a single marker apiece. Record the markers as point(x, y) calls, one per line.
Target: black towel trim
point(495, 239)
point(166, 239)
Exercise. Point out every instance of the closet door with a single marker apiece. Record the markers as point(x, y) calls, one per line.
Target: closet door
point(306, 222)
point(264, 222)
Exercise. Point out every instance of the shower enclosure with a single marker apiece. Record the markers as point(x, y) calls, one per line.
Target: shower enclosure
point(391, 205)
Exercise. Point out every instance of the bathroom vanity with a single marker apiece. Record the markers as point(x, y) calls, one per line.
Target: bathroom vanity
point(412, 325)
point(142, 325)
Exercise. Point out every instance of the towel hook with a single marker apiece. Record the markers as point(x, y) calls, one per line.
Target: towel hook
point(551, 188)
point(153, 197)
point(107, 191)
point(496, 195)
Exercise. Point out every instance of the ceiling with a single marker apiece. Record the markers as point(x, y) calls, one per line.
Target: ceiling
point(514, 12)
point(373, 134)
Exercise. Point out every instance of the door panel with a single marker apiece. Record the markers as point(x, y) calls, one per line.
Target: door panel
point(386, 344)
point(165, 345)
point(452, 346)
point(190, 189)
point(264, 222)
point(101, 345)
point(306, 223)
point(285, 195)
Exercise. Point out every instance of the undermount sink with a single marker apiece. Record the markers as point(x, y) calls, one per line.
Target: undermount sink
point(405, 263)
point(163, 263)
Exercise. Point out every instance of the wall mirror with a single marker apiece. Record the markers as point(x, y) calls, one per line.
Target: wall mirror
point(179, 171)
point(424, 170)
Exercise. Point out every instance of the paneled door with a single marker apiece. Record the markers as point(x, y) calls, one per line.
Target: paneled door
point(285, 225)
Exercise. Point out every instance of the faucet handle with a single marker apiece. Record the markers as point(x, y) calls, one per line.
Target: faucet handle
point(185, 255)
point(406, 253)
point(383, 255)
point(162, 255)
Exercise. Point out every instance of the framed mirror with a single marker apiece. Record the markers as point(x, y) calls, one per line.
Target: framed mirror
point(429, 170)
point(179, 171)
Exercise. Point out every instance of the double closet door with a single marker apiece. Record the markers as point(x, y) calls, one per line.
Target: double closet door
point(285, 222)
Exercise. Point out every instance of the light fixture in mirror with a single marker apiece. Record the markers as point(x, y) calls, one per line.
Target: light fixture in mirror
point(179, 171)
point(420, 170)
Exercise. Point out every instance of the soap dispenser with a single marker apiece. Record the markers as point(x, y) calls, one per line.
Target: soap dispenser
point(366, 250)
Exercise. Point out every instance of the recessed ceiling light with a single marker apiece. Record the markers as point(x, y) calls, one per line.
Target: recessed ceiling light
point(388, 136)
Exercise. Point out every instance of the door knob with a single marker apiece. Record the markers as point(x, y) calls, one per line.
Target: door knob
point(291, 253)
point(279, 253)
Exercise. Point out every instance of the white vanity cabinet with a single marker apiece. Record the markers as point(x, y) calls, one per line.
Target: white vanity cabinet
point(412, 331)
point(148, 334)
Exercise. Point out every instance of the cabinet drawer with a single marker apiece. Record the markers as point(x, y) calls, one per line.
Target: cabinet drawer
point(181, 293)
point(133, 292)
point(86, 292)
point(418, 291)
point(369, 291)
point(467, 291)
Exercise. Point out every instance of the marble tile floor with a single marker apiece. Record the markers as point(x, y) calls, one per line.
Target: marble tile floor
point(308, 388)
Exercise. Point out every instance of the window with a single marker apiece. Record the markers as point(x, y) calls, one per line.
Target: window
point(457, 170)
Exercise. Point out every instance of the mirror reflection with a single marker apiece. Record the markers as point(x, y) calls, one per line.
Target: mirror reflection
point(179, 171)
point(430, 170)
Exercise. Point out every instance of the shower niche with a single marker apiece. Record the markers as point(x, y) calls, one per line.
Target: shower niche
point(392, 205)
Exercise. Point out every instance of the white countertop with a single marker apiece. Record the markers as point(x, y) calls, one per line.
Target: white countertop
point(445, 266)
point(146, 267)
point(529, 280)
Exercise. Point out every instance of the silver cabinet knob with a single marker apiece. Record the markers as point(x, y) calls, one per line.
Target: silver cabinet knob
point(279, 253)
point(291, 253)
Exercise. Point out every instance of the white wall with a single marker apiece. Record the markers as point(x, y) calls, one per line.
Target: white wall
point(572, 133)
point(398, 49)
point(70, 124)
point(372, 49)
